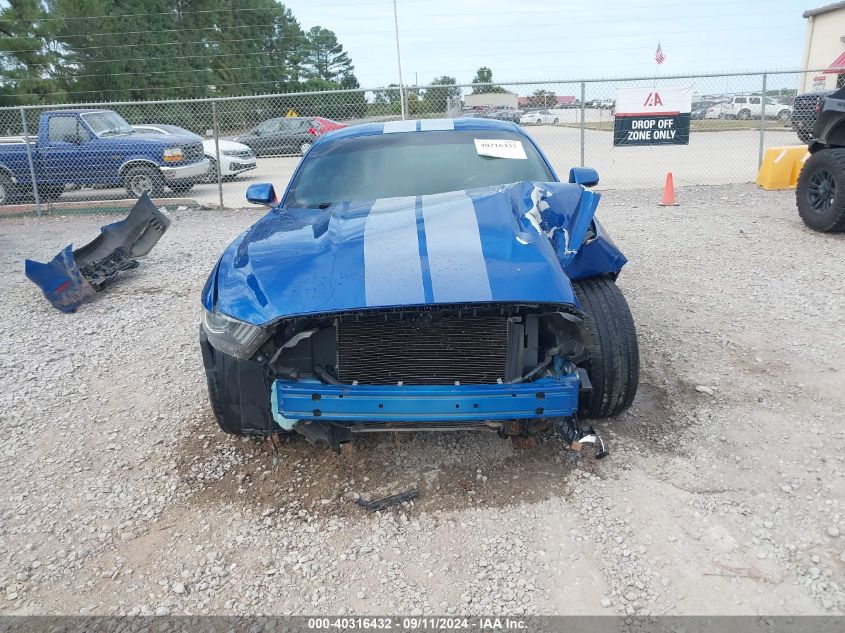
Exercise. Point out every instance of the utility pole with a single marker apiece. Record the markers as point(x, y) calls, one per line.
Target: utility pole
point(399, 61)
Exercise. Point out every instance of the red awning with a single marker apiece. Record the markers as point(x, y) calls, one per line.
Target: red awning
point(837, 67)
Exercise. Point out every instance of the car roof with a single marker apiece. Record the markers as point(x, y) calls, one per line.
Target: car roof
point(432, 125)
point(78, 111)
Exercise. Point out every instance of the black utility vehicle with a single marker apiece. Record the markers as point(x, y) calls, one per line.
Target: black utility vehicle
point(821, 185)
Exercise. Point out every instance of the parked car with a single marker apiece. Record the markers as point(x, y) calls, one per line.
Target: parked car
point(97, 148)
point(805, 108)
point(748, 107)
point(700, 108)
point(235, 158)
point(505, 114)
point(538, 117)
point(820, 193)
point(286, 135)
point(603, 104)
point(402, 283)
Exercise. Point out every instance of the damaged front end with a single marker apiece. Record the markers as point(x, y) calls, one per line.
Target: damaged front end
point(513, 369)
point(74, 275)
point(454, 311)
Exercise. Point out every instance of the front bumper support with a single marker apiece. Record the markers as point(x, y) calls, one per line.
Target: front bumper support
point(549, 397)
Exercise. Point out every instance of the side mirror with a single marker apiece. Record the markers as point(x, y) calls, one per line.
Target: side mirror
point(261, 193)
point(586, 176)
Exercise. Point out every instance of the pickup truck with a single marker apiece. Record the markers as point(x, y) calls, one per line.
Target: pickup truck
point(97, 148)
point(805, 109)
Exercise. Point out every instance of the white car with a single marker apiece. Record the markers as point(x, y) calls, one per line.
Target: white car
point(748, 107)
point(538, 117)
point(235, 158)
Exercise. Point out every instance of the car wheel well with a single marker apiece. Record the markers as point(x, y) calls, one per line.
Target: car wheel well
point(836, 136)
point(135, 163)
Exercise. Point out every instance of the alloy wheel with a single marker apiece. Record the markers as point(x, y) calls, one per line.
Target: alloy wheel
point(821, 190)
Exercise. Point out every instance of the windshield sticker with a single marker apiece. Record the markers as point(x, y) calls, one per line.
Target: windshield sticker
point(500, 148)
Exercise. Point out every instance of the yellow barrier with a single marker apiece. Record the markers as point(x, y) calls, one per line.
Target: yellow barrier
point(781, 166)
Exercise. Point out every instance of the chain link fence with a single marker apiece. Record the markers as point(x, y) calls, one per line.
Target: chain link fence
point(105, 154)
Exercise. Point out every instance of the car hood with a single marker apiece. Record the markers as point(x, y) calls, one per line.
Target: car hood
point(229, 146)
point(165, 140)
point(508, 243)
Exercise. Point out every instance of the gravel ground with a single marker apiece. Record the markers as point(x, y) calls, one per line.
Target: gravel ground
point(723, 492)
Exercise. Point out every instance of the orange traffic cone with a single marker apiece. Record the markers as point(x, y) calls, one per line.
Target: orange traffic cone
point(668, 199)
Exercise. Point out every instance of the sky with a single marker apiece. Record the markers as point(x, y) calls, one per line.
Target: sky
point(526, 40)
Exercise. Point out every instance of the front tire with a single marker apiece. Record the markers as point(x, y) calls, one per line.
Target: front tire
point(820, 193)
point(744, 115)
point(239, 393)
point(556, 121)
point(142, 179)
point(613, 364)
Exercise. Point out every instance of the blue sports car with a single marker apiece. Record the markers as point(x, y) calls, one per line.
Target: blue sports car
point(420, 275)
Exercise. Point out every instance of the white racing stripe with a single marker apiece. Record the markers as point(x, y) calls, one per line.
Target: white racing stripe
point(427, 125)
point(453, 242)
point(392, 268)
point(400, 126)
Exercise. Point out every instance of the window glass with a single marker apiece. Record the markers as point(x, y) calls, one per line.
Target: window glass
point(62, 129)
point(408, 164)
point(740, 100)
point(107, 123)
point(754, 100)
point(268, 126)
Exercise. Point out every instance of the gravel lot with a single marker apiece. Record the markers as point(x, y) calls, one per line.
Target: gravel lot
point(723, 492)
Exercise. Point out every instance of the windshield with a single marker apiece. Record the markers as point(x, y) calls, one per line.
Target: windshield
point(408, 164)
point(107, 123)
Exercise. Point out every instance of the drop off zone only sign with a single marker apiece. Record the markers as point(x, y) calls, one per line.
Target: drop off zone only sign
point(652, 116)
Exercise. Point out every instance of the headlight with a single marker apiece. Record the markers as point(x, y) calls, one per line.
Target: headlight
point(231, 336)
point(173, 154)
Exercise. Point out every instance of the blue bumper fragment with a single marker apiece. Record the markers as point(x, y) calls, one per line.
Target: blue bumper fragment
point(60, 280)
point(74, 275)
point(543, 398)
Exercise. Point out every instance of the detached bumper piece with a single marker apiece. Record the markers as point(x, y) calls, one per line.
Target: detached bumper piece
point(73, 276)
point(459, 404)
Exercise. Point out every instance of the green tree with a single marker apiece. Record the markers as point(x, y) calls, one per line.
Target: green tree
point(324, 57)
point(29, 55)
point(437, 98)
point(142, 49)
point(485, 76)
point(542, 99)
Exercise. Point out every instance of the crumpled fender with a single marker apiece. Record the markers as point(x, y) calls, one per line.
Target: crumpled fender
point(74, 275)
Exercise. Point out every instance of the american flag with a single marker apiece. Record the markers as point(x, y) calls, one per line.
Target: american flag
point(659, 57)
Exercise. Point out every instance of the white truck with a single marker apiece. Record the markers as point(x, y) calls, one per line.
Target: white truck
point(748, 107)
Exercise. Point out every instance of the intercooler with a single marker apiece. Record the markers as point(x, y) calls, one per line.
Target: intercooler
point(422, 349)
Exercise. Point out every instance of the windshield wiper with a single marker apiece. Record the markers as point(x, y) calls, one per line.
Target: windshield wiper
point(324, 205)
